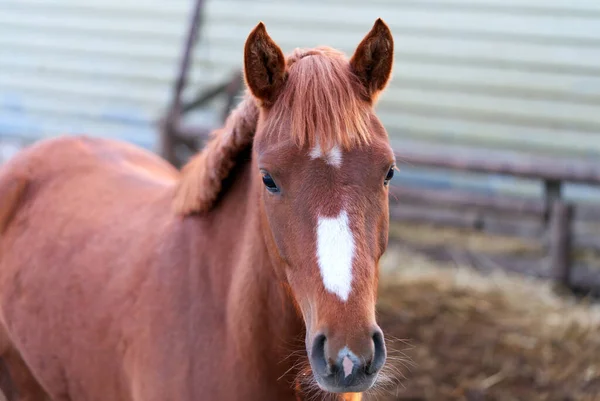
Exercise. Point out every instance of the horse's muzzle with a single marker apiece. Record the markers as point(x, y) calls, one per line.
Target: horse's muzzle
point(344, 371)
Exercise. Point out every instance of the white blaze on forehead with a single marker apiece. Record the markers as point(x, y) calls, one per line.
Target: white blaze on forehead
point(335, 252)
point(332, 157)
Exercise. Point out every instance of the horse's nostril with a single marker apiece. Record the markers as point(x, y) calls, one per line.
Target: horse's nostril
point(318, 355)
point(379, 355)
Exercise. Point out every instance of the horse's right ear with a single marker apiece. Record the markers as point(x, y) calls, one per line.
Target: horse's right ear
point(264, 66)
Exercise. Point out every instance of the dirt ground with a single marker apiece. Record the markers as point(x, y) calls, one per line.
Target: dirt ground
point(456, 335)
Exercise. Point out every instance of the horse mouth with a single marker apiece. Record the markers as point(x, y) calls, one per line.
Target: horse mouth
point(343, 371)
point(341, 382)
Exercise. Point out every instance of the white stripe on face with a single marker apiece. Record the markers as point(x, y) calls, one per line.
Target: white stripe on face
point(335, 252)
point(333, 157)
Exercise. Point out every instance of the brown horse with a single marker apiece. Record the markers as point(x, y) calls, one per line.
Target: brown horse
point(249, 275)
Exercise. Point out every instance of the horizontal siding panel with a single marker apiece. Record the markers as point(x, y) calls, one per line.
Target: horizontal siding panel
point(96, 68)
point(437, 127)
point(34, 127)
point(559, 115)
point(175, 9)
point(502, 63)
point(63, 85)
point(152, 98)
point(156, 9)
point(362, 16)
point(73, 50)
point(409, 30)
point(96, 71)
point(91, 45)
point(60, 57)
point(93, 107)
point(550, 7)
point(499, 82)
point(112, 26)
point(234, 37)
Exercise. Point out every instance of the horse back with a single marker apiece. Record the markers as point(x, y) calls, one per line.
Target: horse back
point(78, 219)
point(81, 171)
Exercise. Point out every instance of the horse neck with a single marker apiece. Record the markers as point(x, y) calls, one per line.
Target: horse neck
point(265, 324)
point(267, 297)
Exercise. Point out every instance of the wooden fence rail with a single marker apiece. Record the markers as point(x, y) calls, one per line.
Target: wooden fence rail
point(561, 226)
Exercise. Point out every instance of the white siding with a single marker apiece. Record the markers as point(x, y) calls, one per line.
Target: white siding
point(518, 75)
point(515, 75)
point(100, 67)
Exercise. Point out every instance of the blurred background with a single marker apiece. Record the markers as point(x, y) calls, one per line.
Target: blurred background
point(493, 111)
point(512, 75)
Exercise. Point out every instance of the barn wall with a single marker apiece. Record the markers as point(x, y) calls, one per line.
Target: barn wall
point(513, 75)
point(520, 75)
point(517, 76)
point(99, 67)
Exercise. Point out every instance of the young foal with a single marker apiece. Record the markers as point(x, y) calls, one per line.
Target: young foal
point(108, 292)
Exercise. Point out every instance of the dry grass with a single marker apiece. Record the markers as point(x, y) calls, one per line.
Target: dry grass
point(495, 338)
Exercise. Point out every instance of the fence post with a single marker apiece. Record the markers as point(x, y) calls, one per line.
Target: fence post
point(552, 193)
point(560, 241)
point(172, 118)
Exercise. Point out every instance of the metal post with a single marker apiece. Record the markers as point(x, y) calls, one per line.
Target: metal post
point(232, 90)
point(561, 241)
point(170, 124)
point(552, 193)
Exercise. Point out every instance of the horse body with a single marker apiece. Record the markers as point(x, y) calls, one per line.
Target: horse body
point(129, 325)
point(106, 292)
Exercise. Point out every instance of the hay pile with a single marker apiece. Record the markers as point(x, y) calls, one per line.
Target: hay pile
point(496, 338)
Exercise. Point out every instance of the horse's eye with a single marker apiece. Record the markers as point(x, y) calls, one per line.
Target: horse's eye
point(269, 183)
point(389, 176)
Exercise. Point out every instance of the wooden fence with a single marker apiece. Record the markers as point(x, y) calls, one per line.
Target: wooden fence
point(559, 226)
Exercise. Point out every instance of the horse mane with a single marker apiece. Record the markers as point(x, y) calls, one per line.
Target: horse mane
point(202, 177)
point(12, 189)
point(322, 103)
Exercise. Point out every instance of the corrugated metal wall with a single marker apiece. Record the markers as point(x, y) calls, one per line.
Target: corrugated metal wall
point(504, 74)
point(509, 75)
point(100, 67)
point(518, 75)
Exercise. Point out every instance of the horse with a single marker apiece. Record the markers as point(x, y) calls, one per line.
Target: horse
point(249, 274)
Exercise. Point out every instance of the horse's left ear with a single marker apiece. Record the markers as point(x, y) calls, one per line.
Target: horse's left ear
point(264, 66)
point(373, 59)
